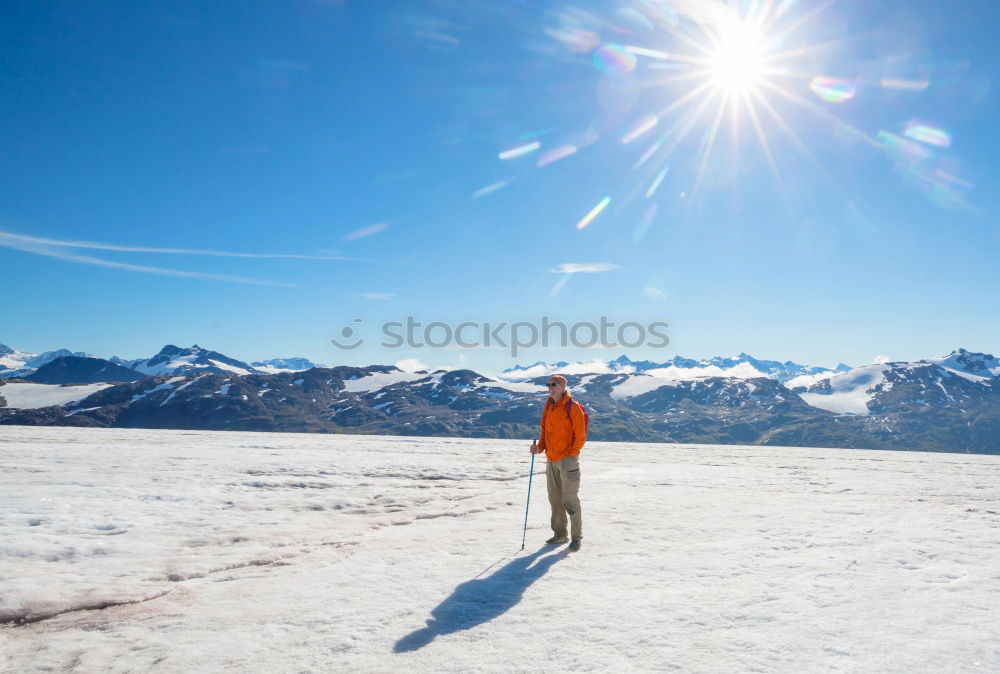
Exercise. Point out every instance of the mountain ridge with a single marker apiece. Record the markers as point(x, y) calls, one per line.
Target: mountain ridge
point(922, 405)
point(742, 364)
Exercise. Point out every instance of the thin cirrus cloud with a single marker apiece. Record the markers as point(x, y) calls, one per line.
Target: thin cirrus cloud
point(584, 267)
point(87, 259)
point(376, 296)
point(54, 248)
point(8, 239)
point(366, 231)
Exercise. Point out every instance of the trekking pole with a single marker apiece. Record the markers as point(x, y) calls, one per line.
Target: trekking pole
point(531, 474)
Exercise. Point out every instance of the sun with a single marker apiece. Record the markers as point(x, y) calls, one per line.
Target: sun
point(728, 64)
point(735, 64)
point(720, 75)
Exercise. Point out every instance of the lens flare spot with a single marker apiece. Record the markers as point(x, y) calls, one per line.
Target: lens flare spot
point(902, 149)
point(650, 151)
point(645, 222)
point(904, 85)
point(660, 12)
point(633, 21)
point(588, 137)
point(833, 89)
point(531, 135)
point(644, 124)
point(520, 150)
point(850, 135)
point(650, 53)
point(576, 29)
point(555, 155)
point(669, 65)
point(654, 293)
point(575, 39)
point(614, 59)
point(655, 185)
point(594, 212)
point(941, 179)
point(490, 189)
point(927, 133)
point(560, 284)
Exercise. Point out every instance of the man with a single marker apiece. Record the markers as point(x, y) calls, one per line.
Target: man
point(564, 431)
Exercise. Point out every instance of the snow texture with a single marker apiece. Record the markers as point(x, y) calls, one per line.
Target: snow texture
point(271, 369)
point(228, 367)
point(807, 380)
point(983, 366)
point(32, 396)
point(671, 372)
point(170, 383)
point(376, 380)
point(595, 366)
point(515, 386)
point(638, 384)
point(179, 551)
point(740, 370)
point(14, 360)
point(650, 380)
point(850, 392)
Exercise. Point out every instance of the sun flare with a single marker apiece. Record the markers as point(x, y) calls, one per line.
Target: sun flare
point(728, 71)
point(731, 81)
point(736, 64)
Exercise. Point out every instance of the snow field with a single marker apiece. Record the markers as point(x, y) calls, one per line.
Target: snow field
point(28, 395)
point(296, 552)
point(850, 392)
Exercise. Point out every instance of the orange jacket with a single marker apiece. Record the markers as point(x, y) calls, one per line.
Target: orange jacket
point(562, 435)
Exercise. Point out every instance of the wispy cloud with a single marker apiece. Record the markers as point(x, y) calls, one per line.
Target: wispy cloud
point(87, 259)
point(9, 239)
point(366, 231)
point(376, 296)
point(584, 267)
point(411, 365)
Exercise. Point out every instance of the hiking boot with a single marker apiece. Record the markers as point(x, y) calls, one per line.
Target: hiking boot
point(575, 545)
point(556, 540)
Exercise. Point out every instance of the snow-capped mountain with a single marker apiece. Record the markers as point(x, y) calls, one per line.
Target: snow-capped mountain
point(950, 403)
point(76, 370)
point(846, 393)
point(944, 404)
point(173, 360)
point(11, 360)
point(276, 365)
point(742, 366)
point(975, 366)
point(14, 363)
point(873, 388)
point(959, 378)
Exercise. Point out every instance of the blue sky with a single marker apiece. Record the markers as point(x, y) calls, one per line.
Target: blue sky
point(366, 139)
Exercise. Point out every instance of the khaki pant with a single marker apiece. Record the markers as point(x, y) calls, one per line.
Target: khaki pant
point(563, 480)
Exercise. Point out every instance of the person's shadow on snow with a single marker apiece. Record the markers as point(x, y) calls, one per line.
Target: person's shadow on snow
point(480, 600)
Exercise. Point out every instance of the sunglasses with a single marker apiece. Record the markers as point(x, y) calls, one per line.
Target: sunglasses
point(553, 383)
